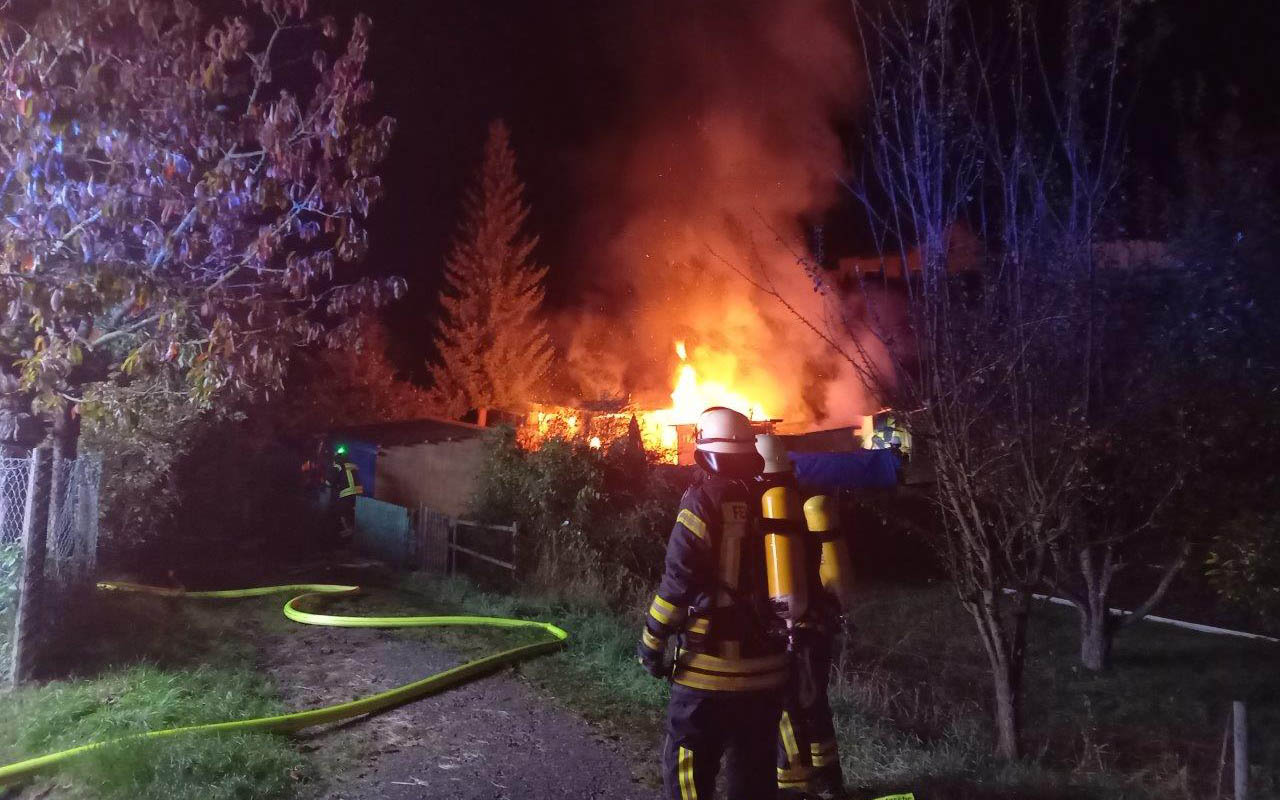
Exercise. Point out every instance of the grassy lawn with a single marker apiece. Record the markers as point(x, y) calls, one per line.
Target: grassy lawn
point(140, 663)
point(912, 698)
point(911, 695)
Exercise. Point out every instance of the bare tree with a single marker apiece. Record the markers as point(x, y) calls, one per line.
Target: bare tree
point(1008, 123)
point(1129, 383)
point(988, 158)
point(1143, 494)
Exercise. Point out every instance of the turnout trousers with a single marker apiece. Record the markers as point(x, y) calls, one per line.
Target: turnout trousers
point(808, 761)
point(705, 726)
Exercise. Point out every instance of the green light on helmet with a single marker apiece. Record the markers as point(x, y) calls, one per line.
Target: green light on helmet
point(340, 449)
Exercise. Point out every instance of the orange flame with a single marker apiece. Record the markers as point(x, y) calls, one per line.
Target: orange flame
point(660, 428)
point(690, 397)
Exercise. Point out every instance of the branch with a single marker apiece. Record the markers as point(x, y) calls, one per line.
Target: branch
point(775, 294)
point(125, 331)
point(1165, 580)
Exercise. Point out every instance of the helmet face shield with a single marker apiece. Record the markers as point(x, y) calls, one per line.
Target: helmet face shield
point(730, 465)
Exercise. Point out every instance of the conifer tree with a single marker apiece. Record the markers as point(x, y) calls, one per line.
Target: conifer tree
point(492, 342)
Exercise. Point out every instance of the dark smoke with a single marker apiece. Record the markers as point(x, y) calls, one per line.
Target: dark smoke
point(729, 146)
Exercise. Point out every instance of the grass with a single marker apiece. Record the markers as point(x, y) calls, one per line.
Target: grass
point(910, 695)
point(144, 664)
point(914, 679)
point(10, 567)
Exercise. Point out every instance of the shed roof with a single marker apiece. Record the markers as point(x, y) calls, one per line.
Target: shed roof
point(833, 440)
point(427, 430)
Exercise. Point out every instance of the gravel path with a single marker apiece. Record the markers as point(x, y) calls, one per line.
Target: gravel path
point(493, 738)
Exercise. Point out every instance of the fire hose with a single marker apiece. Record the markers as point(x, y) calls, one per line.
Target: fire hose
point(298, 720)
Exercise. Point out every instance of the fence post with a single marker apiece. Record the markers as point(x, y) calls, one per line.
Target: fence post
point(35, 531)
point(420, 536)
point(451, 559)
point(1240, 746)
point(515, 550)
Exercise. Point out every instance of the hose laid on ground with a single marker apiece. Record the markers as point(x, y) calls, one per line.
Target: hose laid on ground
point(295, 721)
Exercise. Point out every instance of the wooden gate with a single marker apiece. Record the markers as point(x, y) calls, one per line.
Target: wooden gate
point(477, 543)
point(434, 534)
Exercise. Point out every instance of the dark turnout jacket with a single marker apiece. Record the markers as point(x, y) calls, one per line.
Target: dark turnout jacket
point(713, 593)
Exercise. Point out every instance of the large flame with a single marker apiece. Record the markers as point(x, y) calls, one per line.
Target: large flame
point(693, 395)
point(660, 429)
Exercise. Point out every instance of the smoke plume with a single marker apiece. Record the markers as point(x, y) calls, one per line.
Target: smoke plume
point(728, 153)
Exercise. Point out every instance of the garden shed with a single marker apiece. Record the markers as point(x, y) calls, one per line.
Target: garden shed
point(431, 462)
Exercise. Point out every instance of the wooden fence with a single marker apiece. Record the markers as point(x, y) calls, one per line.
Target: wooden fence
point(426, 539)
point(486, 536)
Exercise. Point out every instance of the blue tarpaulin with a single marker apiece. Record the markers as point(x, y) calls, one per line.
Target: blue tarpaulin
point(860, 469)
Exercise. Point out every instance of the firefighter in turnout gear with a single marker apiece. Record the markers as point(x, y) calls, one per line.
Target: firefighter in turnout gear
point(808, 762)
point(344, 487)
point(730, 660)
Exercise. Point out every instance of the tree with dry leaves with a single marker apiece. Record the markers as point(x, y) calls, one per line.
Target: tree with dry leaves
point(181, 201)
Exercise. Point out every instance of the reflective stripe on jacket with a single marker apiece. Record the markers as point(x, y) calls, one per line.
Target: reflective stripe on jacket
point(712, 594)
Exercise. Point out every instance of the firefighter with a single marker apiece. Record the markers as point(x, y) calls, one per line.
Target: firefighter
point(808, 761)
point(345, 488)
point(730, 662)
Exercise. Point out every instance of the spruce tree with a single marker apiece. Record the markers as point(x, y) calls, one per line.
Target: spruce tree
point(491, 340)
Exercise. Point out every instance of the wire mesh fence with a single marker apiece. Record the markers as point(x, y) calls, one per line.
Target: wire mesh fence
point(72, 542)
point(13, 497)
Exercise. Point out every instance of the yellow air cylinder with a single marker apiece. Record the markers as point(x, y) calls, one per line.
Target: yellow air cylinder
point(835, 569)
point(784, 553)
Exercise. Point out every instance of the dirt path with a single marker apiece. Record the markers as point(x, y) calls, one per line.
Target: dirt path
point(494, 738)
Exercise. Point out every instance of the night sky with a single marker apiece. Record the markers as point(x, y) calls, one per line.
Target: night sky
point(565, 76)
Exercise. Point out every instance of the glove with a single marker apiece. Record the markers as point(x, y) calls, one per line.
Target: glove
point(652, 661)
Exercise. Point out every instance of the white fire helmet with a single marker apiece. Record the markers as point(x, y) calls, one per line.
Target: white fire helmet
point(725, 444)
point(774, 453)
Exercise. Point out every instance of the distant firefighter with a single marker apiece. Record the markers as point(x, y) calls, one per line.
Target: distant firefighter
point(730, 657)
point(808, 760)
point(345, 488)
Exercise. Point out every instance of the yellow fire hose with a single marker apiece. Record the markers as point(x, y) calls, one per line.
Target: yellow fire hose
point(288, 723)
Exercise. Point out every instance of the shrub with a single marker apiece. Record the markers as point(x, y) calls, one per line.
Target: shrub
point(179, 488)
point(594, 522)
point(1243, 566)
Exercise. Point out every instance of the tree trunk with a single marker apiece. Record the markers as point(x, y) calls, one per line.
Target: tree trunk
point(66, 441)
point(1008, 713)
point(1097, 632)
point(1098, 626)
point(66, 432)
point(1006, 650)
